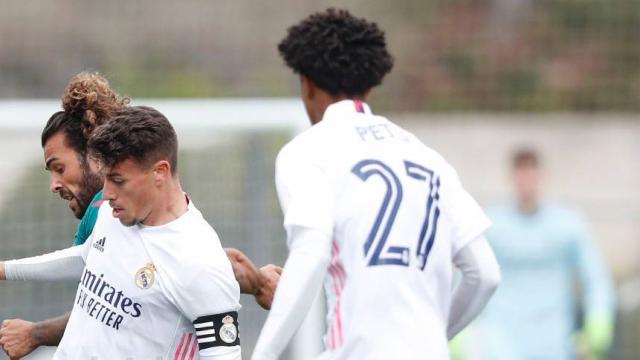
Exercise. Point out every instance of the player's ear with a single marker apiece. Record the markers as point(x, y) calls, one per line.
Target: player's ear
point(161, 170)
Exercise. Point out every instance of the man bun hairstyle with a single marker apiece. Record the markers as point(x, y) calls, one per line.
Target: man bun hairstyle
point(139, 133)
point(340, 53)
point(89, 98)
point(88, 102)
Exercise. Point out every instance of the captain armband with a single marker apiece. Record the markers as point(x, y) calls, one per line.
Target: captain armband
point(217, 330)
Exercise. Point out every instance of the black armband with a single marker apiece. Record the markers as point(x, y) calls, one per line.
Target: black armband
point(217, 330)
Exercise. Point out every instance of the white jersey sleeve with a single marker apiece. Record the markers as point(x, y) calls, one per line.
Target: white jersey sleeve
point(480, 278)
point(296, 174)
point(299, 285)
point(206, 293)
point(201, 290)
point(64, 264)
point(467, 217)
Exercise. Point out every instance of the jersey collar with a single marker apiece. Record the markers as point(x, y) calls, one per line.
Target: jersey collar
point(346, 107)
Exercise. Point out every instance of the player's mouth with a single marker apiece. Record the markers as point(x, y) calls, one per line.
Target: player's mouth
point(68, 196)
point(117, 211)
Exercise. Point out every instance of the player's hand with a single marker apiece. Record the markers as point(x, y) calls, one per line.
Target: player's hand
point(244, 270)
point(269, 276)
point(16, 338)
point(259, 283)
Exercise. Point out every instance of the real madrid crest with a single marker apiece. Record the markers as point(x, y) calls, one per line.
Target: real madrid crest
point(228, 331)
point(145, 276)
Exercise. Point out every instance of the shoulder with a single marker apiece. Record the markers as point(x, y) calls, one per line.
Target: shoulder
point(88, 221)
point(438, 164)
point(91, 214)
point(432, 158)
point(193, 242)
point(194, 251)
point(97, 200)
point(195, 270)
point(303, 150)
point(311, 140)
point(568, 216)
point(94, 207)
point(198, 230)
point(562, 211)
point(300, 144)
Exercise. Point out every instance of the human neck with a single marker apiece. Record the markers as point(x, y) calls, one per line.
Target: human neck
point(327, 100)
point(171, 204)
point(528, 206)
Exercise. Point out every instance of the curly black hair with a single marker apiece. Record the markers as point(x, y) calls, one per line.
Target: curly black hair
point(340, 53)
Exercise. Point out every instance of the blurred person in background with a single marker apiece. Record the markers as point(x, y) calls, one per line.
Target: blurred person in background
point(88, 102)
point(542, 249)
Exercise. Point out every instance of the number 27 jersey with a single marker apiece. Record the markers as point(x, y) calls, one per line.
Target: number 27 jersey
point(397, 214)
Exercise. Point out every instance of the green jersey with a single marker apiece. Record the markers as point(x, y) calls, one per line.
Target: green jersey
point(88, 220)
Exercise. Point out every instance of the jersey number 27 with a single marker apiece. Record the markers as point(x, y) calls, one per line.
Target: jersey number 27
point(375, 244)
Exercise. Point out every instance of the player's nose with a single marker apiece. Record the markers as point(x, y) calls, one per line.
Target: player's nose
point(107, 192)
point(55, 185)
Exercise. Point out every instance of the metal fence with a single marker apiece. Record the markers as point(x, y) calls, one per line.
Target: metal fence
point(499, 55)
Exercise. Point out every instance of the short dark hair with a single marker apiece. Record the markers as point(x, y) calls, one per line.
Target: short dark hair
point(525, 157)
point(139, 133)
point(72, 129)
point(340, 53)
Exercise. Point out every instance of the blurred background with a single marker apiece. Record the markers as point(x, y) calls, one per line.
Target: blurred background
point(472, 79)
point(500, 55)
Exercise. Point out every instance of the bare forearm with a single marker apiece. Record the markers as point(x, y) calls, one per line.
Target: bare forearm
point(49, 332)
point(261, 283)
point(3, 276)
point(244, 270)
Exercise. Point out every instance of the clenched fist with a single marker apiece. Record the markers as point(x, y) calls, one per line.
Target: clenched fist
point(16, 338)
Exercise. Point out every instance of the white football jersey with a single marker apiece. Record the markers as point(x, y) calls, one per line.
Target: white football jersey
point(145, 288)
point(397, 214)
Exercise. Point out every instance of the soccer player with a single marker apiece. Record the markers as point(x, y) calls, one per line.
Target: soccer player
point(370, 211)
point(543, 247)
point(88, 101)
point(153, 268)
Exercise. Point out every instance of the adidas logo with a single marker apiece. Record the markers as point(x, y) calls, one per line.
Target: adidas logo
point(100, 244)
